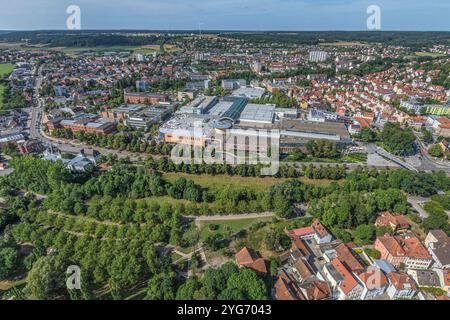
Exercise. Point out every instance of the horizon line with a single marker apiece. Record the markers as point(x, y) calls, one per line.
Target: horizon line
point(214, 30)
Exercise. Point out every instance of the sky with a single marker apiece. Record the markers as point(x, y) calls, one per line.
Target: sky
point(258, 15)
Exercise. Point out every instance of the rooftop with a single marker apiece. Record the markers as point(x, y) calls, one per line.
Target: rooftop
point(258, 113)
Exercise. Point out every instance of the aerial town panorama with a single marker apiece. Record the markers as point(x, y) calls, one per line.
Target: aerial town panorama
point(224, 165)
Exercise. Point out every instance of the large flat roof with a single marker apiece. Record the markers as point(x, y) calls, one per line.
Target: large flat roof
point(315, 127)
point(249, 92)
point(220, 108)
point(258, 113)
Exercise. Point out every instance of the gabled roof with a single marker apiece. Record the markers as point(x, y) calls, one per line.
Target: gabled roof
point(349, 282)
point(245, 257)
point(427, 278)
point(402, 281)
point(300, 247)
point(318, 290)
point(287, 290)
point(319, 228)
point(303, 269)
point(248, 258)
point(348, 258)
point(373, 278)
point(302, 231)
point(387, 219)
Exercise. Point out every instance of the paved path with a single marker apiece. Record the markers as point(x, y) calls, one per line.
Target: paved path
point(233, 217)
point(416, 203)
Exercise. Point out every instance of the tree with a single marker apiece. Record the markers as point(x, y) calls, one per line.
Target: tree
point(248, 283)
point(187, 290)
point(10, 149)
point(45, 278)
point(427, 136)
point(277, 240)
point(397, 140)
point(436, 151)
point(436, 221)
point(282, 207)
point(8, 259)
point(341, 234)
point(161, 287)
point(364, 234)
point(368, 135)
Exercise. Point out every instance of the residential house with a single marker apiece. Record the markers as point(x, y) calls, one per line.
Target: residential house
point(374, 283)
point(316, 231)
point(402, 286)
point(343, 281)
point(248, 258)
point(396, 223)
point(286, 289)
point(317, 290)
point(438, 244)
point(425, 278)
point(403, 250)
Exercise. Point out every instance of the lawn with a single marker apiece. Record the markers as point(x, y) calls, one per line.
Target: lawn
point(148, 49)
point(341, 44)
point(355, 158)
point(6, 68)
point(228, 226)
point(2, 90)
point(430, 54)
point(218, 182)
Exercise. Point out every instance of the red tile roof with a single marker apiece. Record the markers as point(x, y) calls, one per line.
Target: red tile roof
point(302, 231)
point(402, 281)
point(303, 269)
point(349, 282)
point(248, 258)
point(245, 257)
point(348, 258)
point(318, 290)
point(387, 219)
point(298, 244)
point(285, 289)
point(373, 278)
point(319, 228)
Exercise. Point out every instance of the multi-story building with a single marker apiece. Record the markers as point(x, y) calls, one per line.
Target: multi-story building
point(403, 250)
point(401, 286)
point(318, 56)
point(438, 244)
point(232, 84)
point(144, 98)
point(374, 283)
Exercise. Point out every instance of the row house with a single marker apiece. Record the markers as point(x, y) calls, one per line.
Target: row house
point(403, 250)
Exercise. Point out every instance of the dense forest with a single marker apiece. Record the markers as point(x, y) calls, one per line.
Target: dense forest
point(94, 38)
point(407, 39)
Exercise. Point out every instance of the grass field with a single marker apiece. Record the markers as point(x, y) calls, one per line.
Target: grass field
point(430, 54)
point(218, 182)
point(6, 68)
point(147, 49)
point(356, 157)
point(228, 226)
point(2, 90)
point(341, 44)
